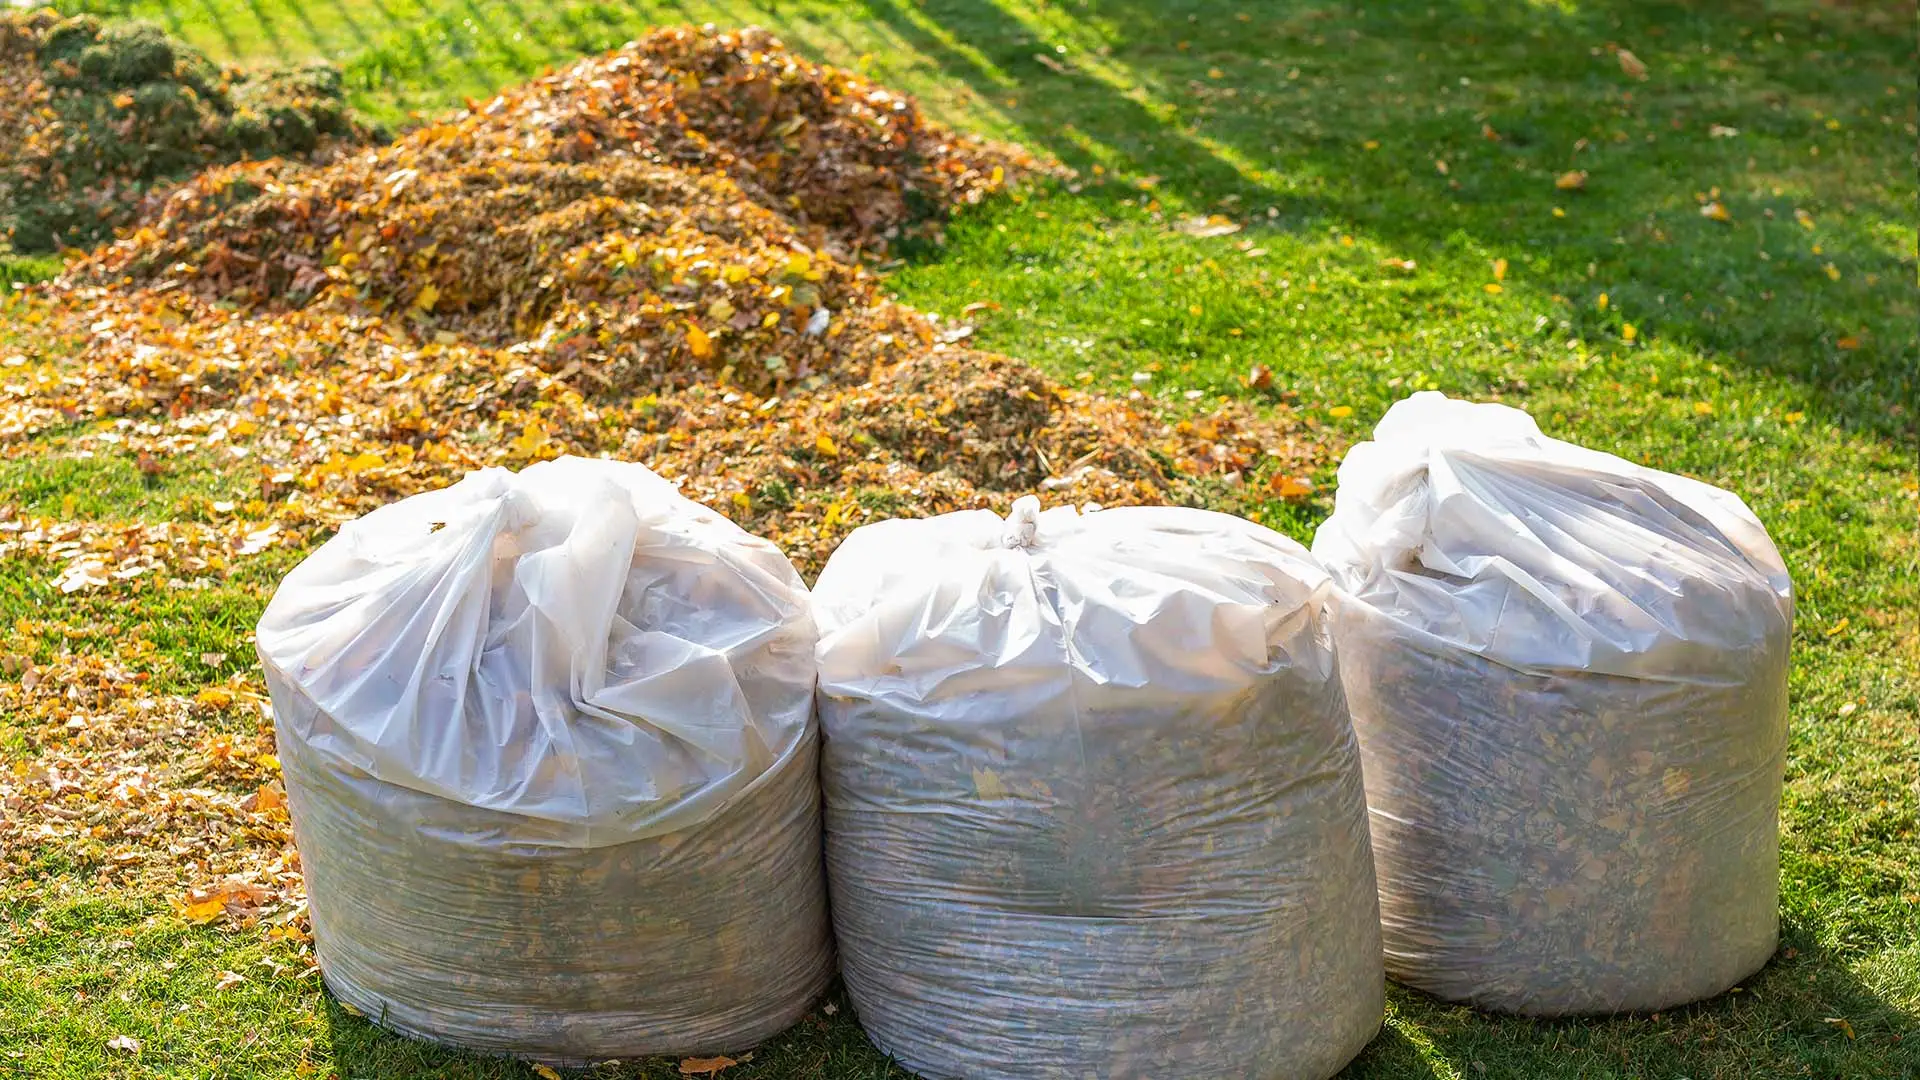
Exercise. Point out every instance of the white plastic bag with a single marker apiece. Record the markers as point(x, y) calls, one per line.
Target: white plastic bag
point(1094, 808)
point(549, 750)
point(1568, 677)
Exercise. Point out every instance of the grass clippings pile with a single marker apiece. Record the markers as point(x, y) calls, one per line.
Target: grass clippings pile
point(93, 114)
point(655, 254)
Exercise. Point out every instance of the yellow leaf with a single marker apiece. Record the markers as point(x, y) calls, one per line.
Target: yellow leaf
point(1499, 269)
point(545, 1072)
point(1838, 628)
point(1557, 212)
point(426, 298)
point(204, 911)
point(705, 1066)
point(214, 697)
point(1494, 287)
point(1795, 417)
point(699, 342)
point(1701, 408)
point(1713, 211)
point(987, 784)
point(1371, 144)
point(268, 762)
point(1628, 332)
point(826, 446)
point(1602, 302)
point(1572, 180)
point(1346, 241)
point(1193, 309)
point(1839, 1022)
point(999, 176)
point(1340, 412)
point(720, 310)
point(1833, 271)
point(1805, 219)
point(362, 462)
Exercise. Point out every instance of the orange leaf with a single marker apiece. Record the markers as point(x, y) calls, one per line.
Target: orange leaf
point(1573, 180)
point(1290, 487)
point(699, 342)
point(705, 1066)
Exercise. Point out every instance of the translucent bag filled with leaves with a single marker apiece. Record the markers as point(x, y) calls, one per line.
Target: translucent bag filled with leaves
point(549, 750)
point(1568, 678)
point(1094, 808)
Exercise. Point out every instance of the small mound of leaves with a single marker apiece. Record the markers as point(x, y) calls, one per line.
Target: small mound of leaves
point(92, 114)
point(656, 254)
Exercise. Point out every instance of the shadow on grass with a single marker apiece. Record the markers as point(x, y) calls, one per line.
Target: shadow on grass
point(1442, 132)
point(1786, 1020)
point(821, 1046)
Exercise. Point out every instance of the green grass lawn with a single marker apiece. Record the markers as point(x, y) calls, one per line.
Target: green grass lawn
point(1384, 159)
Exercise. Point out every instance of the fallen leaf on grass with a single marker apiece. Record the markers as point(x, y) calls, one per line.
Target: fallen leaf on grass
point(546, 1072)
point(1839, 1022)
point(1340, 412)
point(1722, 131)
point(1499, 269)
point(124, 1043)
point(1714, 211)
point(1832, 271)
point(1848, 343)
point(1261, 377)
point(705, 1066)
point(1399, 264)
point(227, 980)
point(1573, 180)
point(260, 540)
point(1290, 487)
point(1632, 65)
point(1206, 225)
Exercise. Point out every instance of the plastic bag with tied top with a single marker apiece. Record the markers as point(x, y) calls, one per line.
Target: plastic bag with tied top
point(1568, 677)
point(1094, 808)
point(550, 756)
